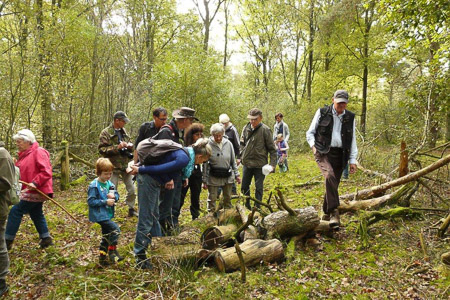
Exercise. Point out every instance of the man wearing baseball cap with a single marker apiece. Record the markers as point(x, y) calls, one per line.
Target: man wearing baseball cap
point(256, 143)
point(115, 144)
point(332, 139)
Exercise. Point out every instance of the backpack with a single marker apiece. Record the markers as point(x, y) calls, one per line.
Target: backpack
point(16, 187)
point(151, 151)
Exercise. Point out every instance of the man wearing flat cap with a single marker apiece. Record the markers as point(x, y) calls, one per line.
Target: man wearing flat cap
point(256, 143)
point(115, 144)
point(332, 139)
point(169, 204)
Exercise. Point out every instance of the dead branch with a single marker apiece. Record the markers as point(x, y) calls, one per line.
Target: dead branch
point(376, 190)
point(373, 173)
point(284, 204)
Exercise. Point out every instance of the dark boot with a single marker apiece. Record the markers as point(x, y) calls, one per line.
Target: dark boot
point(9, 244)
point(132, 213)
point(143, 263)
point(46, 242)
point(335, 219)
point(103, 259)
point(3, 287)
point(114, 256)
point(326, 217)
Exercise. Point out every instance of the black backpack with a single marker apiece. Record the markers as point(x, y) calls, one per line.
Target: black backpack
point(151, 151)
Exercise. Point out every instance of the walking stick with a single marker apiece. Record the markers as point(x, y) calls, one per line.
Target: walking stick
point(48, 198)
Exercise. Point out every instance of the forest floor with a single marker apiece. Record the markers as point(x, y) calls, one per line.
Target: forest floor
point(392, 265)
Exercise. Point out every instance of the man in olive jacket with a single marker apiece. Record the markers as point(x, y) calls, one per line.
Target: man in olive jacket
point(256, 143)
point(7, 177)
point(115, 145)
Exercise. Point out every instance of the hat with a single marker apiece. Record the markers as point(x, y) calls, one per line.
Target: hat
point(224, 118)
point(254, 113)
point(340, 96)
point(184, 113)
point(26, 135)
point(121, 115)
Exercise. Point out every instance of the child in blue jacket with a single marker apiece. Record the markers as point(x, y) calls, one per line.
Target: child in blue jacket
point(102, 196)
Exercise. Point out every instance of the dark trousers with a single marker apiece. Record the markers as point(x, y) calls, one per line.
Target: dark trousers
point(331, 165)
point(195, 185)
point(110, 234)
point(247, 175)
point(34, 209)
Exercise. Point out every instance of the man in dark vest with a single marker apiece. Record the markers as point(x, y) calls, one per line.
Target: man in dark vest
point(169, 203)
point(332, 139)
point(150, 129)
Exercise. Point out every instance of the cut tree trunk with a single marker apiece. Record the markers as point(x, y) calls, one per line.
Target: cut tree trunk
point(281, 224)
point(254, 252)
point(217, 236)
point(376, 190)
point(182, 249)
point(355, 205)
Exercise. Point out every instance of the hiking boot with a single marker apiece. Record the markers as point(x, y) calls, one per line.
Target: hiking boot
point(46, 242)
point(326, 217)
point(9, 244)
point(143, 263)
point(132, 213)
point(114, 256)
point(103, 259)
point(3, 287)
point(335, 220)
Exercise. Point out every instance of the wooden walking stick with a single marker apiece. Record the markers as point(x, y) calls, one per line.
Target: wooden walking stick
point(48, 198)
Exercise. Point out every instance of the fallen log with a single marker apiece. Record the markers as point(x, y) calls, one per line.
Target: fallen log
point(253, 252)
point(376, 190)
point(355, 205)
point(217, 236)
point(443, 228)
point(282, 224)
point(446, 258)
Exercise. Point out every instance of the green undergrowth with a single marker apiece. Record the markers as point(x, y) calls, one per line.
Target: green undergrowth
point(391, 266)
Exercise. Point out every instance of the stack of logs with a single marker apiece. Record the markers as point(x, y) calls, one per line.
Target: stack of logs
point(259, 242)
point(229, 239)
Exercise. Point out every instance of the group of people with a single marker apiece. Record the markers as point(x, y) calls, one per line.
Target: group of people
point(186, 160)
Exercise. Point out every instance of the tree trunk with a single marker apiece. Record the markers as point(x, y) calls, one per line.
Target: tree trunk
point(45, 93)
point(443, 229)
point(446, 258)
point(281, 224)
point(253, 251)
point(310, 51)
point(403, 166)
point(376, 190)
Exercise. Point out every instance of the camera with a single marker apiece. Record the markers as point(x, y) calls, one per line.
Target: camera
point(127, 152)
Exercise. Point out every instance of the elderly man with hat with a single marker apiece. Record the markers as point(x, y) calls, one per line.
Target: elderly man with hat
point(115, 144)
point(169, 207)
point(332, 139)
point(256, 143)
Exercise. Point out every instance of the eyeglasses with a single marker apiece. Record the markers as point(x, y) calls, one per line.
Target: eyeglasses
point(198, 134)
point(162, 119)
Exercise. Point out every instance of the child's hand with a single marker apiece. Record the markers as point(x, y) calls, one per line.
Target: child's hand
point(111, 196)
point(110, 202)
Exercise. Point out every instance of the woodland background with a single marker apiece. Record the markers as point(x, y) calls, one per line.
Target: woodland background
point(67, 65)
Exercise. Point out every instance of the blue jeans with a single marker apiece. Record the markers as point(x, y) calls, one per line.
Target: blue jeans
point(34, 209)
point(110, 234)
point(169, 206)
point(148, 225)
point(247, 175)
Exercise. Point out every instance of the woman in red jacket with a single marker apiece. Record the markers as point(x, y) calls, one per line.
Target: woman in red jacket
point(35, 168)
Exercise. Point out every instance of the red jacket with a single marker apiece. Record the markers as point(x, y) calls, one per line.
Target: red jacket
point(35, 167)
